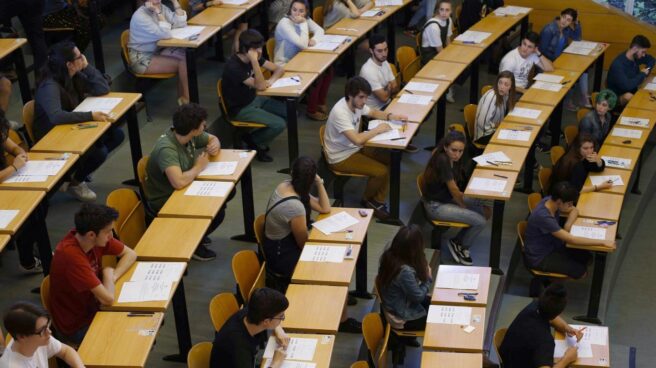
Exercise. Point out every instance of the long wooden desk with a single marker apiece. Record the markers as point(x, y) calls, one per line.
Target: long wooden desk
point(327, 273)
point(181, 205)
point(13, 47)
point(70, 138)
point(581, 63)
point(452, 337)
point(164, 240)
point(51, 181)
point(440, 359)
point(604, 205)
point(321, 315)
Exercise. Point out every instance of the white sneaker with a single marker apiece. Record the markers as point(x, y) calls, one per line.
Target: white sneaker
point(450, 96)
point(37, 268)
point(15, 125)
point(82, 192)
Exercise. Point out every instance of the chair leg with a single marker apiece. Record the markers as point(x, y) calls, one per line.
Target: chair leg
point(436, 237)
point(338, 190)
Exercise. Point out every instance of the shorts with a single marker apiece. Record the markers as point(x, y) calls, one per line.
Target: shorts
point(139, 60)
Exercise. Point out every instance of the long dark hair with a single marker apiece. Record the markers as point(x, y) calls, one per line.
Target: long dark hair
point(407, 248)
point(563, 168)
point(4, 135)
point(58, 56)
point(432, 173)
point(511, 92)
point(304, 170)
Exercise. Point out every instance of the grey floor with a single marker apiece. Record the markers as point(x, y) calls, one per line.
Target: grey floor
point(630, 299)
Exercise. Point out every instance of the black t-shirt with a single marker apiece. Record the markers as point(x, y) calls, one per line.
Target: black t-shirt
point(233, 346)
point(438, 190)
point(528, 342)
point(236, 94)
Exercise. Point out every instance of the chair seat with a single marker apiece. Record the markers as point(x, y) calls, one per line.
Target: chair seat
point(408, 333)
point(547, 274)
point(340, 173)
point(155, 76)
point(479, 146)
point(246, 124)
point(448, 223)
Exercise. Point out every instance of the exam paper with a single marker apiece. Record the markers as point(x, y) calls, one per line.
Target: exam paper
point(493, 157)
point(583, 350)
point(421, 87)
point(326, 46)
point(286, 82)
point(145, 291)
point(389, 2)
point(323, 253)
point(488, 185)
point(208, 189)
point(390, 134)
point(523, 112)
point(460, 281)
point(597, 335)
point(6, 216)
point(550, 78)
point(600, 179)
point(590, 232)
point(449, 315)
point(335, 223)
point(292, 364)
point(102, 104)
point(581, 47)
point(628, 133)
point(650, 86)
point(473, 36)
point(26, 179)
point(371, 13)
point(219, 168)
point(553, 87)
point(637, 122)
point(415, 99)
point(186, 32)
point(619, 162)
point(298, 348)
point(333, 38)
point(158, 271)
point(41, 167)
point(394, 124)
point(514, 135)
point(234, 2)
point(515, 10)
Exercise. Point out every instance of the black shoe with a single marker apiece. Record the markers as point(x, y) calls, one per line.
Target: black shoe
point(206, 241)
point(248, 140)
point(380, 210)
point(454, 249)
point(351, 300)
point(350, 326)
point(411, 148)
point(262, 156)
point(203, 254)
point(410, 341)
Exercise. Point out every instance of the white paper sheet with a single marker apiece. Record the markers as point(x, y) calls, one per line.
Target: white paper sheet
point(298, 348)
point(287, 82)
point(600, 179)
point(489, 159)
point(523, 112)
point(208, 189)
point(145, 291)
point(581, 47)
point(421, 87)
point(102, 104)
point(553, 87)
point(291, 364)
point(597, 335)
point(514, 135)
point(389, 2)
point(323, 253)
point(619, 162)
point(415, 99)
point(371, 13)
point(158, 271)
point(219, 168)
point(460, 281)
point(488, 185)
point(636, 122)
point(473, 36)
point(26, 179)
point(583, 350)
point(6, 216)
point(390, 134)
point(590, 232)
point(186, 32)
point(42, 167)
point(235, 2)
point(334, 38)
point(335, 223)
point(514, 10)
point(449, 315)
point(627, 133)
point(550, 78)
point(650, 86)
point(326, 46)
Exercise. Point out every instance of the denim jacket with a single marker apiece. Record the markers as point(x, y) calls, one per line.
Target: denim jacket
point(550, 36)
point(403, 296)
point(591, 124)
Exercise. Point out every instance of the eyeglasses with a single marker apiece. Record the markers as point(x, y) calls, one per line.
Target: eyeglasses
point(42, 331)
point(280, 318)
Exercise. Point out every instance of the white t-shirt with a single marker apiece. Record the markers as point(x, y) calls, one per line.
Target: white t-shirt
point(378, 77)
point(338, 148)
point(12, 359)
point(431, 36)
point(520, 67)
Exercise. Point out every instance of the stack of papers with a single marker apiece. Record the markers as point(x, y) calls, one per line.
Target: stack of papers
point(459, 281)
point(581, 47)
point(550, 78)
point(449, 315)
point(151, 281)
point(619, 162)
point(590, 232)
point(650, 86)
point(514, 135)
point(287, 82)
point(628, 133)
point(187, 32)
point(522, 112)
point(473, 36)
point(637, 122)
point(299, 352)
point(7, 216)
point(488, 185)
point(36, 171)
point(493, 158)
point(389, 2)
point(219, 168)
point(208, 189)
point(407, 98)
point(553, 87)
point(335, 223)
point(102, 104)
point(600, 179)
point(421, 87)
point(323, 253)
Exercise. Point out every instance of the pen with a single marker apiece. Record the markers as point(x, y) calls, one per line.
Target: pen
point(500, 176)
point(409, 91)
point(341, 232)
point(469, 42)
point(491, 163)
point(85, 126)
point(397, 139)
point(461, 294)
point(140, 314)
point(565, 82)
point(403, 126)
point(349, 250)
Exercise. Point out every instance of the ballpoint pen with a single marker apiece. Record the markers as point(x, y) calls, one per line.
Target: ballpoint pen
point(565, 82)
point(491, 163)
point(397, 139)
point(500, 176)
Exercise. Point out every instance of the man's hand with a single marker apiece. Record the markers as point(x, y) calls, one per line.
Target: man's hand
point(213, 146)
point(108, 274)
point(282, 339)
point(382, 128)
point(202, 160)
point(571, 354)
point(19, 161)
point(99, 116)
point(398, 117)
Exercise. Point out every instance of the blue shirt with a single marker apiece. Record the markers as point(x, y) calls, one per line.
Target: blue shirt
point(539, 241)
point(552, 43)
point(624, 75)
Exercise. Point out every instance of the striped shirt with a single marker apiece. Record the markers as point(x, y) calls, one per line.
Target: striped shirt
point(488, 114)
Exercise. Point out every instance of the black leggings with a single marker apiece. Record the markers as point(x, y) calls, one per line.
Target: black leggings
point(418, 324)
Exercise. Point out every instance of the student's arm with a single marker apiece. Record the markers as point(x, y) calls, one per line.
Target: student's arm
point(177, 18)
point(359, 139)
point(382, 115)
point(355, 11)
point(213, 146)
point(276, 71)
point(126, 259)
point(576, 32)
point(545, 64)
point(415, 292)
point(105, 291)
point(257, 81)
point(457, 195)
point(315, 29)
point(299, 229)
point(321, 204)
point(287, 31)
point(647, 60)
point(95, 83)
point(70, 356)
point(20, 158)
point(571, 239)
point(150, 31)
point(281, 337)
point(48, 97)
point(180, 179)
point(545, 40)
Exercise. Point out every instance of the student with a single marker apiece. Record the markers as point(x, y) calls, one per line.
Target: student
point(78, 282)
point(279, 9)
point(624, 75)
point(493, 107)
point(436, 35)
point(336, 10)
point(5, 94)
point(178, 156)
point(152, 22)
point(32, 343)
point(236, 343)
point(580, 160)
point(61, 14)
point(443, 197)
point(378, 73)
point(344, 143)
point(292, 36)
point(242, 77)
point(597, 122)
point(545, 240)
point(520, 60)
point(66, 79)
point(529, 342)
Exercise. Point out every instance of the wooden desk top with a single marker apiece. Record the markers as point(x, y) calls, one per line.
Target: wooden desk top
point(326, 273)
point(442, 359)
point(415, 113)
point(8, 45)
point(636, 143)
point(131, 340)
point(454, 338)
point(455, 53)
point(442, 87)
point(323, 352)
point(314, 308)
point(231, 155)
point(181, 205)
point(600, 354)
point(617, 151)
point(69, 138)
point(356, 28)
point(4, 240)
point(22, 200)
point(550, 98)
point(516, 154)
point(248, 5)
point(617, 189)
point(451, 297)
point(357, 235)
point(611, 231)
point(310, 62)
point(52, 179)
point(545, 112)
point(632, 112)
point(205, 35)
point(127, 101)
point(534, 130)
point(490, 174)
point(579, 63)
point(292, 91)
point(605, 206)
point(410, 131)
point(495, 25)
point(643, 100)
point(220, 16)
point(441, 70)
point(164, 241)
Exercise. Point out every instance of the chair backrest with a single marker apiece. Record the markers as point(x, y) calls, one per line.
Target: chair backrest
point(222, 104)
point(125, 37)
point(533, 200)
point(199, 355)
point(593, 98)
point(44, 290)
point(322, 131)
point(581, 114)
point(28, 119)
point(131, 223)
point(260, 280)
point(544, 178)
point(376, 336)
point(498, 339)
point(556, 153)
point(396, 74)
point(317, 15)
point(404, 56)
point(360, 364)
point(571, 131)
point(521, 230)
point(270, 47)
point(258, 227)
point(141, 173)
point(469, 113)
point(411, 69)
point(222, 307)
point(420, 184)
point(245, 268)
point(485, 88)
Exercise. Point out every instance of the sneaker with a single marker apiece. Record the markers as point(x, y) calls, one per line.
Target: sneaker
point(317, 115)
point(465, 257)
point(35, 268)
point(411, 148)
point(350, 326)
point(203, 254)
point(82, 192)
point(450, 96)
point(262, 156)
point(454, 249)
point(380, 210)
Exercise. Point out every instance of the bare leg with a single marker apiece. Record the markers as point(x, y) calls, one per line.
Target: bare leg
point(171, 64)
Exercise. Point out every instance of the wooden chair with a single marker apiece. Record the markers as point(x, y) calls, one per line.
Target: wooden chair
point(18, 139)
point(409, 71)
point(580, 114)
point(237, 125)
point(340, 177)
point(271, 47)
point(44, 291)
point(544, 178)
point(245, 268)
point(28, 120)
point(469, 114)
point(571, 131)
point(131, 223)
point(533, 200)
point(360, 364)
point(222, 307)
point(593, 98)
point(317, 15)
point(556, 153)
point(521, 230)
point(396, 74)
point(199, 355)
point(184, 4)
point(485, 88)
point(404, 56)
point(260, 280)
point(376, 336)
point(258, 227)
point(142, 80)
point(498, 339)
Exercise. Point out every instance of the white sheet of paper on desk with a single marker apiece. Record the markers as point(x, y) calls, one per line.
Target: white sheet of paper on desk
point(219, 168)
point(421, 87)
point(511, 9)
point(491, 157)
point(449, 315)
point(26, 179)
point(627, 133)
point(326, 46)
point(298, 348)
point(522, 112)
point(145, 291)
point(102, 104)
point(390, 134)
point(292, 364)
point(581, 47)
point(407, 98)
point(323, 253)
point(550, 78)
point(42, 167)
point(590, 232)
point(631, 121)
point(600, 179)
point(597, 335)
point(389, 2)
point(584, 350)
point(334, 223)
point(287, 82)
point(6, 216)
point(186, 32)
point(473, 36)
point(333, 38)
point(234, 2)
point(394, 124)
point(488, 185)
point(514, 135)
point(208, 189)
point(371, 13)
point(619, 162)
point(158, 271)
point(553, 87)
point(650, 87)
point(460, 281)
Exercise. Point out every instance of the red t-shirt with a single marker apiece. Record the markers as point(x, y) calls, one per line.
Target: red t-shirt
point(73, 274)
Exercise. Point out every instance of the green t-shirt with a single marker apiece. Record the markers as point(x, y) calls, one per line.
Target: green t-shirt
point(166, 153)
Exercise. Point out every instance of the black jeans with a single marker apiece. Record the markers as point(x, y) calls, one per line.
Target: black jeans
point(418, 324)
point(97, 154)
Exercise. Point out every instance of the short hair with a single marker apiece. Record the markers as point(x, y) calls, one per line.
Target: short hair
point(94, 217)
point(265, 303)
point(375, 39)
point(641, 42)
point(356, 85)
point(571, 12)
point(532, 37)
point(553, 301)
point(21, 318)
point(188, 117)
point(564, 191)
point(250, 39)
point(607, 95)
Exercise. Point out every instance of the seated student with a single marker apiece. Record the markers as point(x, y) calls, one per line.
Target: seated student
point(436, 35)
point(152, 22)
point(66, 79)
point(378, 73)
point(520, 60)
point(529, 342)
point(242, 77)
point(292, 36)
point(5, 94)
point(545, 240)
point(344, 143)
point(336, 10)
point(493, 107)
point(78, 284)
point(32, 343)
point(624, 75)
point(236, 343)
point(443, 197)
point(62, 14)
point(197, 6)
point(597, 122)
point(580, 160)
point(279, 9)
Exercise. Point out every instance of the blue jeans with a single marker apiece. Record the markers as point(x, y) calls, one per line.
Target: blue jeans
point(267, 111)
point(472, 215)
point(423, 14)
